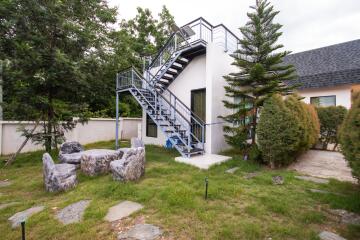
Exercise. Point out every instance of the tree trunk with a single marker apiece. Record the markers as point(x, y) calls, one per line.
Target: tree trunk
point(253, 132)
point(49, 125)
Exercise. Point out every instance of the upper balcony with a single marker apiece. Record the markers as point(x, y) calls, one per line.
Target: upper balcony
point(207, 33)
point(194, 44)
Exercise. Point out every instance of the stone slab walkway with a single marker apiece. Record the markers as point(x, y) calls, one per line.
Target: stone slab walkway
point(73, 213)
point(313, 179)
point(17, 218)
point(5, 183)
point(122, 210)
point(325, 235)
point(324, 164)
point(5, 205)
point(141, 232)
point(232, 170)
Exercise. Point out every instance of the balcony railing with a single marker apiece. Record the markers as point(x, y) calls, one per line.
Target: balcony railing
point(204, 33)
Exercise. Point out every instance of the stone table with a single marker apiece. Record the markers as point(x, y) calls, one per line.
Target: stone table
point(97, 161)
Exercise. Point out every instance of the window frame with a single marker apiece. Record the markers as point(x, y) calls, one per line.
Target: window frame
point(327, 96)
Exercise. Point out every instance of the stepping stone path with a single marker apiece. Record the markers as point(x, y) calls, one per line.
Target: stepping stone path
point(5, 205)
point(312, 179)
point(346, 217)
point(24, 215)
point(141, 232)
point(278, 180)
point(121, 210)
point(5, 183)
point(324, 192)
point(232, 170)
point(251, 175)
point(325, 235)
point(73, 213)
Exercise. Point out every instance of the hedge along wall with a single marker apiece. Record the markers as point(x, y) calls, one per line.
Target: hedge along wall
point(286, 129)
point(331, 119)
point(350, 137)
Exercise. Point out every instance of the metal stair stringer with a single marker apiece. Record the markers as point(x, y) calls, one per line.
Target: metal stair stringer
point(172, 116)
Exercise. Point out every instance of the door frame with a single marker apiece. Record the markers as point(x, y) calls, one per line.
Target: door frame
point(192, 108)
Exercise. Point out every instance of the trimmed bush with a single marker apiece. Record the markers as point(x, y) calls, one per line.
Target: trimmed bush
point(350, 137)
point(278, 133)
point(314, 124)
point(330, 120)
point(303, 121)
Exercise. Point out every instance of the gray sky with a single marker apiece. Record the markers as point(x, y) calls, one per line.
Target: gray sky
point(307, 24)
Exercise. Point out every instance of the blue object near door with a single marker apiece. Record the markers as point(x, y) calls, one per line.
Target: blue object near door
point(168, 144)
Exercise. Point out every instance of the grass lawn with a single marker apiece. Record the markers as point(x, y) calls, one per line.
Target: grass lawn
point(173, 196)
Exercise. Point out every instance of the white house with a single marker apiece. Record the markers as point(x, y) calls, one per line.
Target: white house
point(329, 75)
point(182, 90)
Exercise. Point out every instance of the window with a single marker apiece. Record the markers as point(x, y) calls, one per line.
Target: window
point(324, 101)
point(151, 128)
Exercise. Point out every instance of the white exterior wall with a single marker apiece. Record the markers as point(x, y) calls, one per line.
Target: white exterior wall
point(218, 64)
point(97, 129)
point(205, 71)
point(192, 77)
point(342, 93)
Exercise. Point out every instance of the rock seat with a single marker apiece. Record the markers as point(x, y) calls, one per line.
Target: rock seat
point(71, 152)
point(58, 177)
point(131, 166)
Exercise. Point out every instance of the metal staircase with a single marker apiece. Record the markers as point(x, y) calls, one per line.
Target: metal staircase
point(169, 113)
point(180, 125)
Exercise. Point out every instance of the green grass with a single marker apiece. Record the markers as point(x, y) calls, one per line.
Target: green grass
point(173, 196)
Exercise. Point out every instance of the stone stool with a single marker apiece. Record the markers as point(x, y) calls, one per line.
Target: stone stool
point(58, 177)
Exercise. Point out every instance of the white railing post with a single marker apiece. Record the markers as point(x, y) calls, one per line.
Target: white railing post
point(132, 77)
point(226, 47)
point(175, 39)
point(200, 29)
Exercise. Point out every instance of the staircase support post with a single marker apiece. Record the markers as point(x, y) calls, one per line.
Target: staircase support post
point(117, 122)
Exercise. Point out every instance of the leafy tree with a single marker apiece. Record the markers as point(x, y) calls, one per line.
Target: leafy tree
point(350, 137)
point(51, 47)
point(330, 120)
point(261, 73)
point(164, 27)
point(279, 135)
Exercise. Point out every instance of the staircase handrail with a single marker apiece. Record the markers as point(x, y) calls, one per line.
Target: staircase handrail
point(197, 118)
point(158, 94)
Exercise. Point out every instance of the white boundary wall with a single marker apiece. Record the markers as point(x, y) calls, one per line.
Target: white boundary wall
point(96, 129)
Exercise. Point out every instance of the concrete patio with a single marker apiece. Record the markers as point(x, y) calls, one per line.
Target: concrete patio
point(324, 164)
point(203, 161)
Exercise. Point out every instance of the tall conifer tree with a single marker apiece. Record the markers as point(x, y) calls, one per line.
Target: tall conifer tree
point(261, 73)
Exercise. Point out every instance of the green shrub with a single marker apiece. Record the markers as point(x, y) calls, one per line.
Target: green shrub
point(330, 121)
point(314, 124)
point(278, 133)
point(255, 154)
point(303, 121)
point(350, 137)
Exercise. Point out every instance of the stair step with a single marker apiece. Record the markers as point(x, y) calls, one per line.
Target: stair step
point(172, 71)
point(177, 66)
point(182, 60)
point(167, 77)
point(193, 151)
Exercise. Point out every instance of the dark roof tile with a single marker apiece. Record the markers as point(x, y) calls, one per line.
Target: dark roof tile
point(328, 66)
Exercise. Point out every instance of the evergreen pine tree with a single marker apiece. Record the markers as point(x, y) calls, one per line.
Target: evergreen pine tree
point(261, 73)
